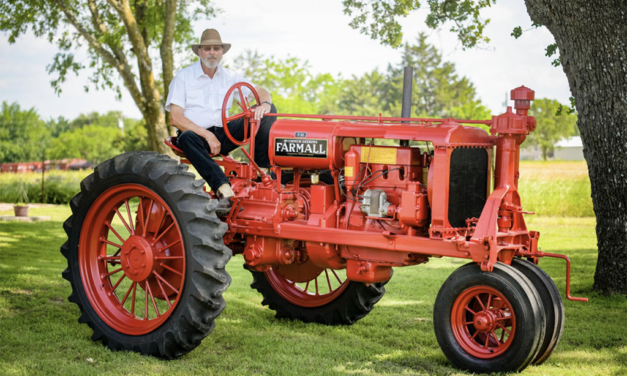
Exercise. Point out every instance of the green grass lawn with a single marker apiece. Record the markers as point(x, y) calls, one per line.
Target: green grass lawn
point(39, 332)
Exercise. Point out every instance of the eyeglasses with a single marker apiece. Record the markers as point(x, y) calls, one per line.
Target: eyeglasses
point(209, 48)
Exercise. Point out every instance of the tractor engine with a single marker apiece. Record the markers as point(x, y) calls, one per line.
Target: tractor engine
point(350, 180)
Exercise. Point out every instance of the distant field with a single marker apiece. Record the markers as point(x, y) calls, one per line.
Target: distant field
point(559, 189)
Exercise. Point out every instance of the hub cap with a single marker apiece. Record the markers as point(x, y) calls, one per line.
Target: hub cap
point(483, 322)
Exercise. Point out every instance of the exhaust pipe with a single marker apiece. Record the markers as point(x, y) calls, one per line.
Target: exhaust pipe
point(408, 78)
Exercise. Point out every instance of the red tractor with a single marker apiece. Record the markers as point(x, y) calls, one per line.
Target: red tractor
point(349, 199)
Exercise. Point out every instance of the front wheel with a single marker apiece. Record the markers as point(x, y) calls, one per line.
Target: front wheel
point(145, 256)
point(489, 321)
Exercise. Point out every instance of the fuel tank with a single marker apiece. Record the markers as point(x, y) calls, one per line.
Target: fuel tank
point(305, 144)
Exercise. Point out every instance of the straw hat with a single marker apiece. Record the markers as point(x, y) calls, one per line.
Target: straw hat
point(211, 37)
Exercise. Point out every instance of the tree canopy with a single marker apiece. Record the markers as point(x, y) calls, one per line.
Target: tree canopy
point(121, 37)
point(23, 135)
point(551, 127)
point(438, 91)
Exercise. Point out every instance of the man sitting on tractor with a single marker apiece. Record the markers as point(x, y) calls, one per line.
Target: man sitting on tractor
point(195, 101)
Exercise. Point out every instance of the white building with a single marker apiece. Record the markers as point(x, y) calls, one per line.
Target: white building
point(570, 149)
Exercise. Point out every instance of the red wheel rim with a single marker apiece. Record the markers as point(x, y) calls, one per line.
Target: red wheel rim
point(320, 290)
point(130, 239)
point(483, 322)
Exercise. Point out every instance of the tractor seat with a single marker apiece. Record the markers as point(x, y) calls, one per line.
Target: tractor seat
point(173, 144)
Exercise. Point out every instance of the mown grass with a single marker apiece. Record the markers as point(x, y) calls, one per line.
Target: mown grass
point(40, 335)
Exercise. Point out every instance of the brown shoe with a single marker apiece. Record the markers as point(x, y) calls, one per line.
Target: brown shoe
point(224, 206)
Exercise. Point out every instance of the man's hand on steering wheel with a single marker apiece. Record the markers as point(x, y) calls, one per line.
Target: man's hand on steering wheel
point(261, 110)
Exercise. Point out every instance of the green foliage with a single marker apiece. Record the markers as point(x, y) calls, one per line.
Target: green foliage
point(94, 143)
point(68, 24)
point(517, 32)
point(437, 91)
point(293, 87)
point(378, 18)
point(59, 186)
point(22, 196)
point(23, 135)
point(551, 127)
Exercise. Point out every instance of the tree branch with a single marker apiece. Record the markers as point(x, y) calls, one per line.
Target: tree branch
point(118, 62)
point(134, 34)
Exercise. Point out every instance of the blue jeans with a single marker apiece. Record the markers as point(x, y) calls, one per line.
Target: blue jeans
point(197, 149)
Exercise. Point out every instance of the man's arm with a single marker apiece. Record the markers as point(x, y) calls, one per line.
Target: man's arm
point(184, 124)
point(262, 109)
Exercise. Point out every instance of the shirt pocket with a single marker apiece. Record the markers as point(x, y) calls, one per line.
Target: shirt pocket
point(220, 99)
point(195, 98)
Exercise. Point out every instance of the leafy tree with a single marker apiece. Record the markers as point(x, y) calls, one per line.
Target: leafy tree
point(115, 32)
point(23, 135)
point(438, 90)
point(58, 126)
point(94, 143)
point(134, 137)
point(551, 127)
point(294, 88)
point(590, 42)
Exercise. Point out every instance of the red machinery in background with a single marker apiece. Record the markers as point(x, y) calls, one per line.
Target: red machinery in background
point(351, 198)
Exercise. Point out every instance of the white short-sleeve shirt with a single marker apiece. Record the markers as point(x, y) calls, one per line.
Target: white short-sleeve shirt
point(201, 97)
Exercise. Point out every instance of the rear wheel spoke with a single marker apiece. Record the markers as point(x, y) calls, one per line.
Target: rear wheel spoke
point(130, 220)
point(152, 298)
point(171, 269)
point(165, 296)
point(111, 273)
point(129, 229)
point(127, 293)
point(164, 281)
point(133, 298)
point(118, 283)
point(326, 271)
point(169, 245)
point(163, 233)
point(108, 224)
point(102, 239)
point(148, 215)
point(338, 278)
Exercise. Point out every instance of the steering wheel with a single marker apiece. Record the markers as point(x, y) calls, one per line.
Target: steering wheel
point(247, 111)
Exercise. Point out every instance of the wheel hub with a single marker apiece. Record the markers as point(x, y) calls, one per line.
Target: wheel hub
point(485, 321)
point(137, 258)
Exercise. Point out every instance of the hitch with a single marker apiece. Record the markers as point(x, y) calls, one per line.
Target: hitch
point(544, 254)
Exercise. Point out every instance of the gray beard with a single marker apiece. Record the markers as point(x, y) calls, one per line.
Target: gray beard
point(209, 64)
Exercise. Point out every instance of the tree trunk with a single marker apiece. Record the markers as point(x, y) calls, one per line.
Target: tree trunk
point(167, 58)
point(592, 36)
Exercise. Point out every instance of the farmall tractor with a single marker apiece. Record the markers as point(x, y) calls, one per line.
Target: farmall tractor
point(320, 235)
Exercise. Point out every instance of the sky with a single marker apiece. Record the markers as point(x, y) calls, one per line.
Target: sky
point(315, 31)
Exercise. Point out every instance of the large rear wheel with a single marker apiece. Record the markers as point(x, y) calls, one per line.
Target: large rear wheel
point(489, 321)
point(308, 293)
point(145, 256)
